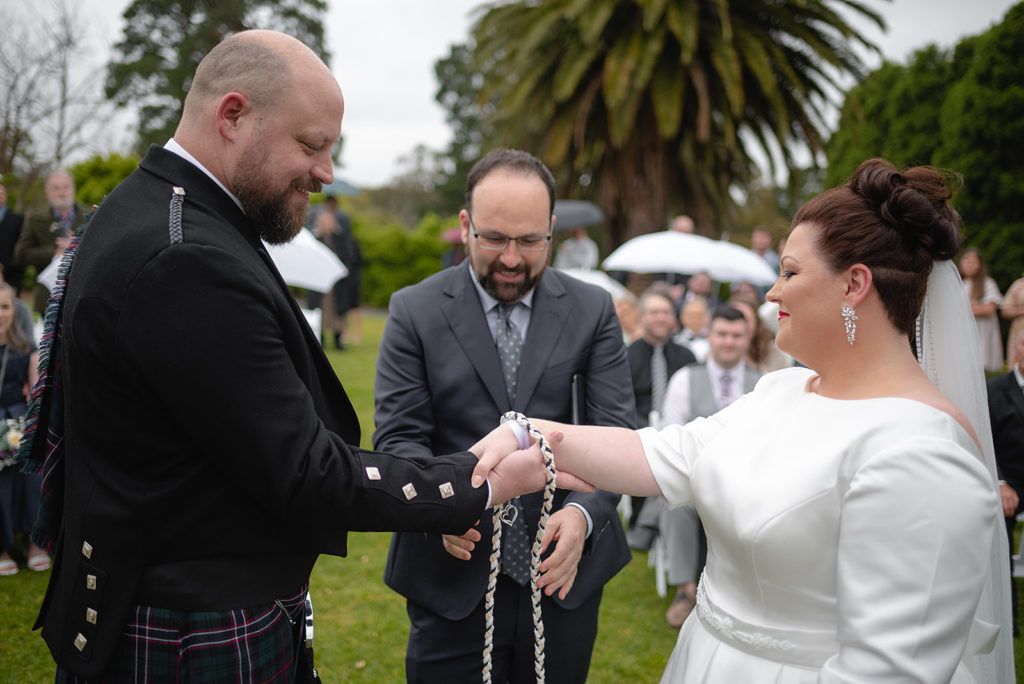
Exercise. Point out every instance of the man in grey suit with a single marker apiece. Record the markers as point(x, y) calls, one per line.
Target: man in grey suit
point(443, 381)
point(697, 391)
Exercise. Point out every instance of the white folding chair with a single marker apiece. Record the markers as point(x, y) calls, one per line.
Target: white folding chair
point(1018, 566)
point(658, 559)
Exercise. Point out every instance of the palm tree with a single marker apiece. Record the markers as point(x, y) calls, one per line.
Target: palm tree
point(649, 106)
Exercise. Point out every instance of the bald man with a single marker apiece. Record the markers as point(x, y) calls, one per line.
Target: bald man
point(208, 441)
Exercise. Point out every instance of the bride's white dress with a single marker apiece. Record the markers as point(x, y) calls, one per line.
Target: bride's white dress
point(847, 540)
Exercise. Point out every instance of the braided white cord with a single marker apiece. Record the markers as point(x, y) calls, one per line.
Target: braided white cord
point(492, 581)
point(492, 585)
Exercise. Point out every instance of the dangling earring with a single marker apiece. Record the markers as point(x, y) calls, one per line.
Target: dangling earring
point(849, 318)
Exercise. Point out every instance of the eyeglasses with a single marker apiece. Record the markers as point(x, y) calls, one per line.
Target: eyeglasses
point(496, 242)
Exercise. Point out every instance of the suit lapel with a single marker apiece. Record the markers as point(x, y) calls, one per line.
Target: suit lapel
point(465, 315)
point(546, 322)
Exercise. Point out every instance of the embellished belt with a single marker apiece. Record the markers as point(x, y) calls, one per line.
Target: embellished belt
point(791, 646)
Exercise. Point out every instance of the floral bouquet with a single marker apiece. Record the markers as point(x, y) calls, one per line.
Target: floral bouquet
point(10, 437)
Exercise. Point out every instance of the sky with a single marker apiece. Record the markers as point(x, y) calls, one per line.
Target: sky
point(383, 54)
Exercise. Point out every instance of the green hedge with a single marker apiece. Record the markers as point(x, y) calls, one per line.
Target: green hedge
point(394, 256)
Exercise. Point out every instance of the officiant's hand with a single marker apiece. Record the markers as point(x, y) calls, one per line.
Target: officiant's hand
point(461, 545)
point(568, 527)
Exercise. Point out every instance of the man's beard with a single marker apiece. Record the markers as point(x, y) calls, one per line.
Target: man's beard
point(507, 293)
point(276, 222)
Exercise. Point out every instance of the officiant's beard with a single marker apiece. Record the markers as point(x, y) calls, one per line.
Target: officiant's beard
point(279, 215)
point(508, 293)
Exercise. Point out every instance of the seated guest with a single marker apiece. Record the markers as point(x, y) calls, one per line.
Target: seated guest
point(697, 391)
point(694, 335)
point(627, 309)
point(700, 286)
point(763, 354)
point(652, 360)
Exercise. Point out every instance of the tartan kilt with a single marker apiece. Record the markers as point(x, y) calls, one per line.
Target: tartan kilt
point(245, 646)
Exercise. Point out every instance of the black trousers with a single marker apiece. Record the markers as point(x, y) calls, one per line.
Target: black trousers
point(443, 651)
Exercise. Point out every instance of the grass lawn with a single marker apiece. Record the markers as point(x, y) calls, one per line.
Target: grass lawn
point(361, 626)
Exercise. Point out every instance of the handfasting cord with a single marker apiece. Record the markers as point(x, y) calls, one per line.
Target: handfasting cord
point(506, 514)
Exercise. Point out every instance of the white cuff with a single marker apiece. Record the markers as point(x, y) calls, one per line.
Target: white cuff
point(522, 437)
point(590, 521)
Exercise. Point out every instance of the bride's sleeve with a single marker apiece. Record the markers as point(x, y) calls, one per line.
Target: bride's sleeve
point(914, 540)
point(672, 451)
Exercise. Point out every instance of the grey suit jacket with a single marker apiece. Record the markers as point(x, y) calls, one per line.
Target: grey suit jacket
point(439, 388)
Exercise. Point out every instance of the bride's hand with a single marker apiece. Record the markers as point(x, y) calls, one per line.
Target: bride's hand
point(514, 472)
point(523, 472)
point(491, 450)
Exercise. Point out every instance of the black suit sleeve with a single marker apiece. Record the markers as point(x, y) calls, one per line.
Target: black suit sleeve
point(1006, 411)
point(244, 402)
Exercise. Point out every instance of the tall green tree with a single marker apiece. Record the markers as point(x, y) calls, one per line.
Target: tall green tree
point(961, 109)
point(893, 113)
point(651, 107)
point(458, 92)
point(164, 40)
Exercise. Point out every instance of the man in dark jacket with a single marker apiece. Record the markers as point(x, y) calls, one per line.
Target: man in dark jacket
point(10, 231)
point(653, 359)
point(209, 445)
point(1006, 411)
point(47, 232)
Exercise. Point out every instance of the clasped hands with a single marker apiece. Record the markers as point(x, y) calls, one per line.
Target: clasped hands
point(513, 472)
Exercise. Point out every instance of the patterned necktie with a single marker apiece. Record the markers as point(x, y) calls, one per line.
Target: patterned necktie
point(724, 390)
point(515, 543)
point(510, 348)
point(659, 377)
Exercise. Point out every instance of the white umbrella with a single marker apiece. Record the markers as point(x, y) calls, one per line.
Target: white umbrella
point(599, 278)
point(308, 263)
point(670, 251)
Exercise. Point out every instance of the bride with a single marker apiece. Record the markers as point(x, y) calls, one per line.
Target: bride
point(851, 519)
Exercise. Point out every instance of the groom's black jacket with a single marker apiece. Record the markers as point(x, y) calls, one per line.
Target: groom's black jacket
point(207, 436)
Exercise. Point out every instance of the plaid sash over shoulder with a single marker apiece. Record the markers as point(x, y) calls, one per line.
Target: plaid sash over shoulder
point(41, 451)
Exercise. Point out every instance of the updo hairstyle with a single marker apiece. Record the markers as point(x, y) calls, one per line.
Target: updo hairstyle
point(894, 223)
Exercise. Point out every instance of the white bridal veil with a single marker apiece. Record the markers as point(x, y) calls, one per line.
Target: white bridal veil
point(950, 353)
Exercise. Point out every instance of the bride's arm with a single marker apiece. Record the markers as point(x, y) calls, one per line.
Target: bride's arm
point(647, 462)
point(609, 458)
